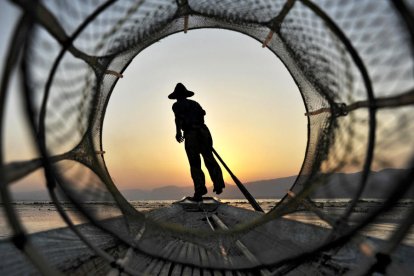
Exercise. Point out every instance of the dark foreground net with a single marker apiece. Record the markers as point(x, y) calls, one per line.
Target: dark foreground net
point(352, 61)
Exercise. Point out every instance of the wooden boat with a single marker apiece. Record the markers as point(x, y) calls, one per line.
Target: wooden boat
point(280, 239)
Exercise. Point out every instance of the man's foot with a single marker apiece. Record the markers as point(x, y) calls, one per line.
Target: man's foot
point(218, 187)
point(198, 194)
point(218, 190)
point(196, 198)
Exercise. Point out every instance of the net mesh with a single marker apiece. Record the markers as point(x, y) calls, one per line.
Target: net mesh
point(351, 60)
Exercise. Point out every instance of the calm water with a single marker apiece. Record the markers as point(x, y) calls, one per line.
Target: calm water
point(41, 216)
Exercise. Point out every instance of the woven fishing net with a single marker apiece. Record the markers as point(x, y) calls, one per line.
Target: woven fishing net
point(351, 60)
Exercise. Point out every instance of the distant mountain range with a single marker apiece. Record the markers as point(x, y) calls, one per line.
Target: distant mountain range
point(273, 188)
point(341, 185)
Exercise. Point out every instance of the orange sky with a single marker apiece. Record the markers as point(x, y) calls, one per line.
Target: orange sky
point(254, 111)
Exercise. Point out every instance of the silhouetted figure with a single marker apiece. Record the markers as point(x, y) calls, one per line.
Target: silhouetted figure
point(189, 118)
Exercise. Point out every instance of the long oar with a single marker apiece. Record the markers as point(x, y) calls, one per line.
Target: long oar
point(243, 189)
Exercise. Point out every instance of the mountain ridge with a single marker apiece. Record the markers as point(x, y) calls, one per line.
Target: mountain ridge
point(341, 185)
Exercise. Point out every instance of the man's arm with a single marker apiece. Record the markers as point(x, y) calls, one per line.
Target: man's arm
point(178, 126)
point(178, 134)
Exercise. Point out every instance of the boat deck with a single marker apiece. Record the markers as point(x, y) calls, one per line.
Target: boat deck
point(259, 250)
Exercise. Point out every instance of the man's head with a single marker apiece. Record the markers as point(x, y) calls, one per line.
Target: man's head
point(180, 92)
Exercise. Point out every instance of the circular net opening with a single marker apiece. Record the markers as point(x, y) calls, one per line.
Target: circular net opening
point(244, 91)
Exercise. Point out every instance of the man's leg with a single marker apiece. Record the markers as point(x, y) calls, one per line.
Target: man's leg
point(212, 166)
point(193, 154)
point(214, 170)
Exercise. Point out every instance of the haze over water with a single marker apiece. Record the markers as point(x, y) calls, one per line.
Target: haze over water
point(42, 216)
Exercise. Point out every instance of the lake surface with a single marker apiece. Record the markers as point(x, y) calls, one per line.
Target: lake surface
point(41, 216)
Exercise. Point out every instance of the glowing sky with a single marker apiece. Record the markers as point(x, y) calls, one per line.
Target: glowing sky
point(254, 110)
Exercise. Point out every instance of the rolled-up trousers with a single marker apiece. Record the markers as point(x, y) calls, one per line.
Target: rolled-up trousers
point(198, 141)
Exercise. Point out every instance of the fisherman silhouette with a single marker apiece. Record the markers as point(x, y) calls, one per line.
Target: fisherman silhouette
point(189, 118)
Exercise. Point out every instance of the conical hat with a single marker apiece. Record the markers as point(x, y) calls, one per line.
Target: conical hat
point(180, 92)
